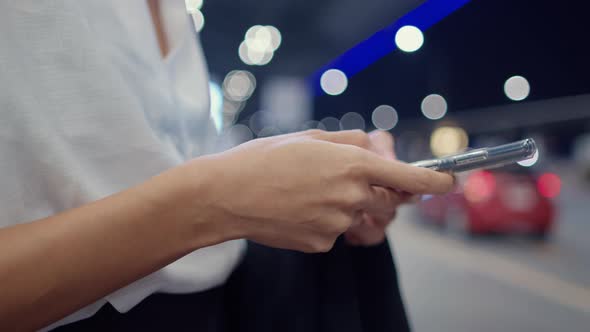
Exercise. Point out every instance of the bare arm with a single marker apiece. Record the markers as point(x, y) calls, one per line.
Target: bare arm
point(298, 191)
point(52, 267)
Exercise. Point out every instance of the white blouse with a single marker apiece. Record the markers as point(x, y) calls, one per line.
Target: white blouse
point(88, 108)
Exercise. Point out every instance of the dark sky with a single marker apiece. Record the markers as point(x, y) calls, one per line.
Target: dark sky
point(468, 56)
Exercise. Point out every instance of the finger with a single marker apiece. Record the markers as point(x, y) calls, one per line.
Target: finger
point(401, 176)
point(383, 143)
point(382, 202)
point(381, 222)
point(365, 235)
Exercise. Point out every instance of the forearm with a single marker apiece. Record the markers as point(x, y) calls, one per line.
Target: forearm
point(52, 267)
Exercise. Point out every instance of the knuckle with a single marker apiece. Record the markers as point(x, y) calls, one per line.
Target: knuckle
point(339, 226)
point(360, 138)
point(355, 168)
point(358, 162)
point(326, 245)
point(356, 197)
point(319, 246)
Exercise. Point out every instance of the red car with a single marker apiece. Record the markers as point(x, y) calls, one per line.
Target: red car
point(499, 201)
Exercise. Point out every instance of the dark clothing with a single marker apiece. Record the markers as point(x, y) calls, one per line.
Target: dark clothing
point(349, 289)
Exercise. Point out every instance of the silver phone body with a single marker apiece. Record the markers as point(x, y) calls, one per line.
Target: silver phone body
point(483, 158)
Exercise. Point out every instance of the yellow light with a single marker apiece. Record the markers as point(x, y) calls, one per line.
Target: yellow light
point(448, 140)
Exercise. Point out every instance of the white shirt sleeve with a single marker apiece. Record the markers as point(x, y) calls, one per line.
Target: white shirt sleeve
point(87, 109)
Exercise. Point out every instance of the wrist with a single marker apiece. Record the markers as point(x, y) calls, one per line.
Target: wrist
point(201, 195)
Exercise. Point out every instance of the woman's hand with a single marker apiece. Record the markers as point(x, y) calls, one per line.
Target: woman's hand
point(301, 191)
point(297, 191)
point(371, 229)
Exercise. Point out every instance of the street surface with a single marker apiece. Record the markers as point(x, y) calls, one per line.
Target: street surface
point(452, 283)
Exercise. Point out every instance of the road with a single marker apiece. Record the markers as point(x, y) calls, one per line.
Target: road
point(453, 283)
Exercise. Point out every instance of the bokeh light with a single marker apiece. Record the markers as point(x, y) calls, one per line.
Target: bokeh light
point(479, 187)
point(254, 57)
point(239, 134)
point(517, 88)
point(434, 107)
point(384, 117)
point(192, 6)
point(351, 121)
point(409, 38)
point(231, 109)
point(269, 131)
point(258, 38)
point(448, 140)
point(331, 123)
point(260, 43)
point(256, 122)
point(312, 124)
point(276, 37)
point(334, 82)
point(198, 20)
point(239, 85)
point(530, 162)
point(549, 185)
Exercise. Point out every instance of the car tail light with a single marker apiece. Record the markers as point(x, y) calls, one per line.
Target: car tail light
point(480, 187)
point(549, 185)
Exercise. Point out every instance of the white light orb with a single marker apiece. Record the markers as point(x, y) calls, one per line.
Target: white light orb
point(517, 88)
point(276, 37)
point(239, 85)
point(193, 6)
point(334, 82)
point(259, 39)
point(253, 56)
point(269, 131)
point(312, 124)
point(351, 121)
point(434, 107)
point(409, 38)
point(331, 123)
point(384, 117)
point(198, 20)
point(239, 134)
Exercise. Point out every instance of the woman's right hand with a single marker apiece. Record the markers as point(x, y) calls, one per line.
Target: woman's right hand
point(298, 191)
point(301, 191)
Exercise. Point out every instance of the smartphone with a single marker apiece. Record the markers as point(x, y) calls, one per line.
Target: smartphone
point(483, 158)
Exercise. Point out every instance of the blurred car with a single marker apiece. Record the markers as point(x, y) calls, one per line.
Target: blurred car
point(507, 200)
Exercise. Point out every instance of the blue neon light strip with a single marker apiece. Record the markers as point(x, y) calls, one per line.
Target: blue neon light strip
point(382, 43)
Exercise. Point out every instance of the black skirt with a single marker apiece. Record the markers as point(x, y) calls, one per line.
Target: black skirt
point(349, 289)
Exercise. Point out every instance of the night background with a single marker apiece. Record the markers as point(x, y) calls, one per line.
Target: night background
point(456, 274)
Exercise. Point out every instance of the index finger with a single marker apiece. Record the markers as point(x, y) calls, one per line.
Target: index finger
point(402, 176)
